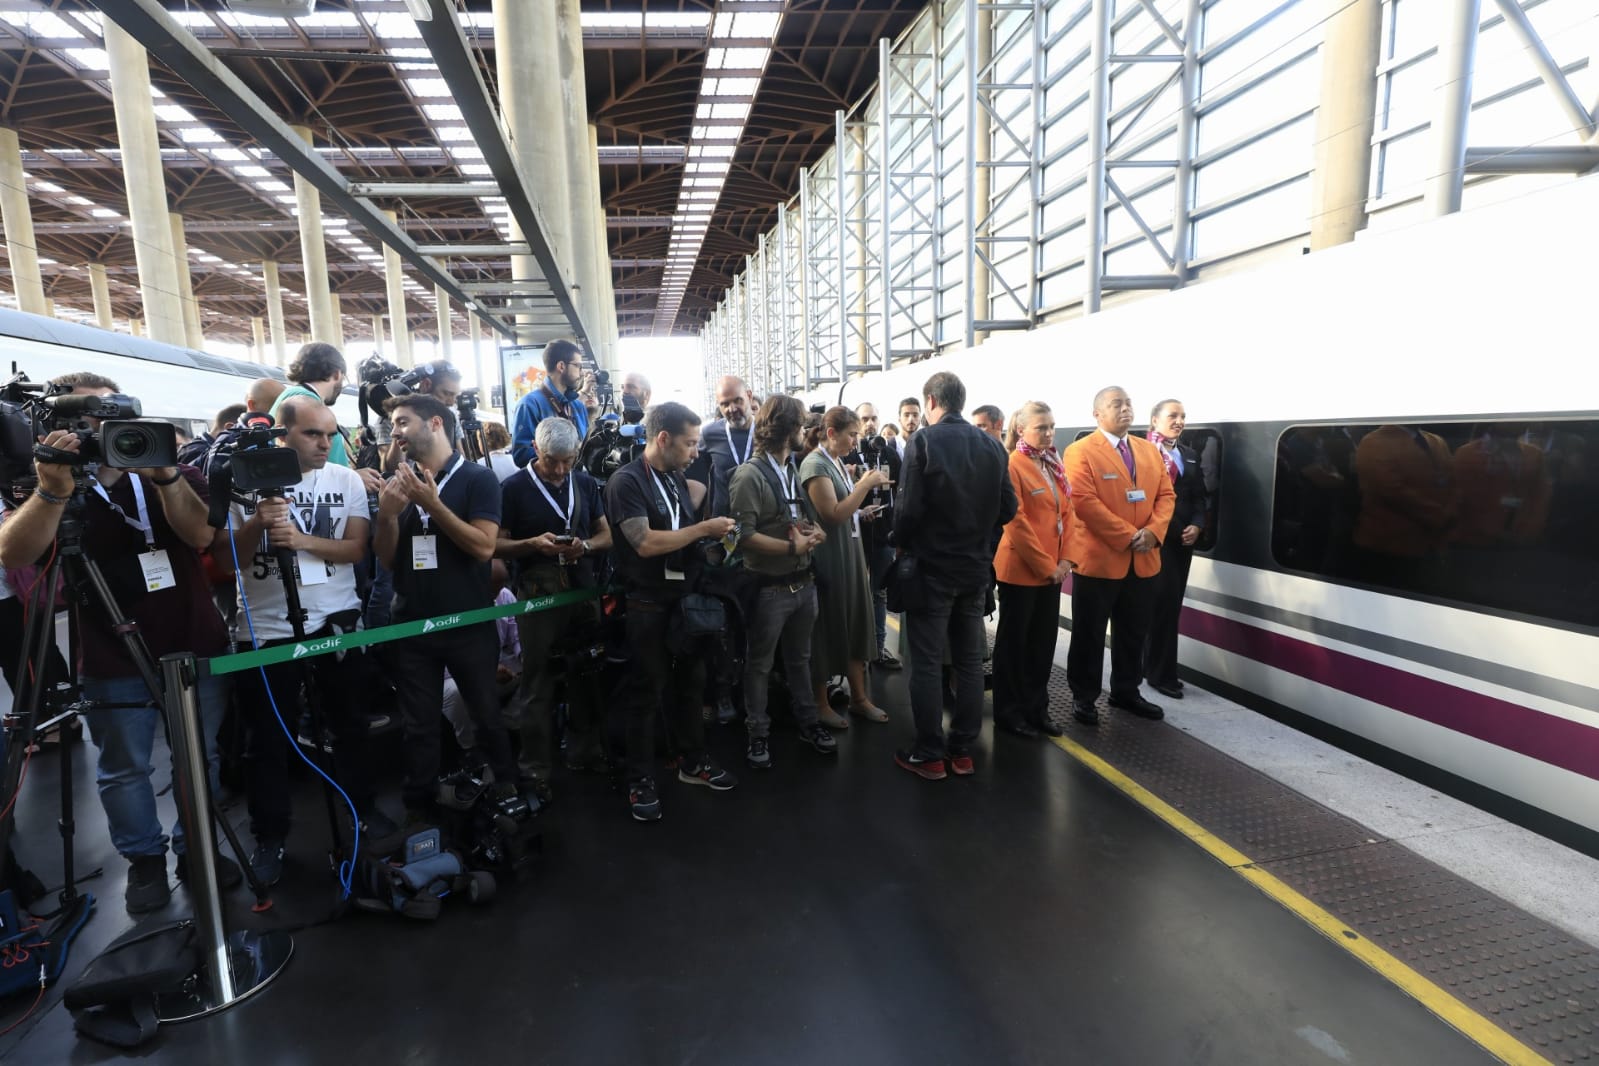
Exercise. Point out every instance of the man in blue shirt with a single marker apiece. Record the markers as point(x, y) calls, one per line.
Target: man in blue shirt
point(556, 397)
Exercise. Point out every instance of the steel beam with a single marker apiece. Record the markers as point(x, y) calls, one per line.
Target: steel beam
point(1537, 159)
point(469, 189)
point(148, 22)
point(1457, 55)
point(453, 251)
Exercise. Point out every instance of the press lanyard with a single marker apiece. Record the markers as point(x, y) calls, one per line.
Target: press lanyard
point(669, 498)
point(143, 524)
point(443, 481)
point(855, 516)
point(787, 481)
point(571, 496)
point(749, 443)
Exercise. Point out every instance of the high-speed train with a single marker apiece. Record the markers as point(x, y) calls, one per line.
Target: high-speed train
point(1405, 443)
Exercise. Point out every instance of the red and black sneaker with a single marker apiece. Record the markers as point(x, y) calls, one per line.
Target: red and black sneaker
point(926, 769)
point(961, 765)
point(707, 773)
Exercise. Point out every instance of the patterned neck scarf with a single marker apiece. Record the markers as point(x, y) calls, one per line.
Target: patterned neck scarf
point(1051, 459)
point(1167, 448)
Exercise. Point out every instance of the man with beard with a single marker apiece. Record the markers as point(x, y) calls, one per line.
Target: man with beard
point(318, 371)
point(559, 395)
point(877, 453)
point(725, 442)
point(437, 525)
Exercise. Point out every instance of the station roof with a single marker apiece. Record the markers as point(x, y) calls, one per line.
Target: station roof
point(358, 73)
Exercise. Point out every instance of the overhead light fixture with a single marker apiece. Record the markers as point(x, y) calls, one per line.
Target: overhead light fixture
point(421, 10)
point(276, 9)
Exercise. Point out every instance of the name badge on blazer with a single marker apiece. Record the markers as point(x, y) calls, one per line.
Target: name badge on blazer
point(1036, 492)
point(1109, 477)
point(1135, 495)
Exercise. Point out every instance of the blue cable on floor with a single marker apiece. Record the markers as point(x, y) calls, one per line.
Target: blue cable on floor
point(347, 867)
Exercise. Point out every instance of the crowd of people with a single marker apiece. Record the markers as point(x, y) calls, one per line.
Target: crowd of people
point(752, 561)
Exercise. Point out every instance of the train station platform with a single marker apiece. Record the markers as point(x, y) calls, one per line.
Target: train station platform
point(1133, 893)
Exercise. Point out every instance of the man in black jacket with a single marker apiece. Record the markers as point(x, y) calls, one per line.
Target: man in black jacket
point(877, 453)
point(955, 495)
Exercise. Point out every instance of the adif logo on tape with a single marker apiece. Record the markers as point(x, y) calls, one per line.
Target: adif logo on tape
point(430, 625)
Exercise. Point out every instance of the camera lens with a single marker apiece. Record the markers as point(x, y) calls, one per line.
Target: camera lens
point(139, 444)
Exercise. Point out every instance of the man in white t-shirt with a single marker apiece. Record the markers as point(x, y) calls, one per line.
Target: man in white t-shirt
point(319, 528)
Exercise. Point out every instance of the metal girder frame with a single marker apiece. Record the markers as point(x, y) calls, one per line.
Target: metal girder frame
point(791, 310)
point(819, 220)
point(860, 265)
point(458, 65)
point(907, 184)
point(1179, 47)
point(148, 22)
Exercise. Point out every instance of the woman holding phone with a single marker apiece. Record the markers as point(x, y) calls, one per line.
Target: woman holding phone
point(846, 635)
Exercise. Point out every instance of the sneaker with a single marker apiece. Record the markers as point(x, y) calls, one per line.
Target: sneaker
point(961, 765)
point(266, 861)
point(707, 773)
point(887, 661)
point(926, 769)
point(148, 889)
point(228, 873)
point(819, 738)
point(642, 801)
point(303, 738)
point(758, 754)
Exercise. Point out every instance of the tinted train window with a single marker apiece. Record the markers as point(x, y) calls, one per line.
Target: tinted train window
point(1490, 514)
point(1207, 444)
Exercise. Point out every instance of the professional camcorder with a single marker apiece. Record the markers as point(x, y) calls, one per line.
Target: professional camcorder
point(245, 463)
point(872, 446)
point(611, 445)
point(122, 439)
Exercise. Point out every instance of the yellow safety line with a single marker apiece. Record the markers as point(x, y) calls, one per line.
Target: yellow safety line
point(1478, 1028)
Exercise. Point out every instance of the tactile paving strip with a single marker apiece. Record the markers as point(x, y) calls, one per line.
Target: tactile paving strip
point(1535, 981)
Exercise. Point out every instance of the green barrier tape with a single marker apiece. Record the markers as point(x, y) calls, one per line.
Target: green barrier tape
point(249, 660)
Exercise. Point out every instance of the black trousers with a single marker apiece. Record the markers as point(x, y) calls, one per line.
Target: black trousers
point(1121, 605)
point(11, 632)
point(340, 694)
point(1024, 651)
point(418, 664)
point(949, 619)
point(1160, 650)
point(659, 681)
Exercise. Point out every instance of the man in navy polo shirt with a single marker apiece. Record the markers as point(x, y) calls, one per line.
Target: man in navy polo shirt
point(438, 520)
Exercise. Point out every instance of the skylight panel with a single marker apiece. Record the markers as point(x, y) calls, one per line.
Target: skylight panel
point(442, 112)
point(173, 113)
point(89, 58)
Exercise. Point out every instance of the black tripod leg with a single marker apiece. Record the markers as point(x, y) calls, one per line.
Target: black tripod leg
point(262, 894)
point(325, 763)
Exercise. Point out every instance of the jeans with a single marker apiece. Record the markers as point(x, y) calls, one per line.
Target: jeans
point(952, 620)
point(782, 619)
point(658, 680)
point(125, 736)
point(380, 600)
point(470, 653)
point(878, 559)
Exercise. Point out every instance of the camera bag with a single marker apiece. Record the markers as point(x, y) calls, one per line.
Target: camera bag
point(114, 998)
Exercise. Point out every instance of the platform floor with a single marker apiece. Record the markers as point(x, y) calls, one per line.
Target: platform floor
point(827, 911)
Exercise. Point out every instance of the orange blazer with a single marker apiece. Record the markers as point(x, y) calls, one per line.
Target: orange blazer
point(1106, 520)
point(1031, 548)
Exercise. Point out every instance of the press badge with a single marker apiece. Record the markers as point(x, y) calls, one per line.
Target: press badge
point(425, 552)
point(1135, 495)
point(675, 575)
point(312, 572)
point(157, 569)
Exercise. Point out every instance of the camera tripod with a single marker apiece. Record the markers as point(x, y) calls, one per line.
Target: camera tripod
point(86, 589)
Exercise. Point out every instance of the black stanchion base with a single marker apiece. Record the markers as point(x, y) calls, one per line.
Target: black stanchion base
point(255, 958)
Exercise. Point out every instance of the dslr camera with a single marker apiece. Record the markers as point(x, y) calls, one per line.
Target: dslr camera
point(122, 439)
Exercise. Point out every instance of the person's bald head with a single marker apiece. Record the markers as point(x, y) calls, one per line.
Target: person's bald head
point(734, 401)
point(1113, 410)
point(311, 427)
point(264, 392)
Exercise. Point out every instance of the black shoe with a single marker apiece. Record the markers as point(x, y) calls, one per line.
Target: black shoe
point(1136, 704)
point(1016, 726)
point(266, 862)
point(887, 661)
point(707, 773)
point(148, 889)
point(1085, 712)
point(642, 802)
point(1170, 691)
point(1049, 728)
point(228, 873)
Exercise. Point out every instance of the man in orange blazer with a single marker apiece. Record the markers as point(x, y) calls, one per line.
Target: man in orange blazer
point(1123, 500)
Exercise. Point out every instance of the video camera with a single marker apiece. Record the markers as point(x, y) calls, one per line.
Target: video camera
point(245, 463)
point(123, 439)
point(611, 445)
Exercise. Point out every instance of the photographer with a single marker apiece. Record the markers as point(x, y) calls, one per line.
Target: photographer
point(145, 528)
point(438, 522)
point(439, 380)
point(648, 501)
point(877, 452)
point(553, 522)
point(323, 521)
point(559, 395)
point(318, 371)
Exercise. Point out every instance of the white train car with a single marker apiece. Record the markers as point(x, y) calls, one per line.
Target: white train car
point(1472, 663)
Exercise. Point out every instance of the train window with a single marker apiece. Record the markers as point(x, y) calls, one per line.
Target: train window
point(1497, 514)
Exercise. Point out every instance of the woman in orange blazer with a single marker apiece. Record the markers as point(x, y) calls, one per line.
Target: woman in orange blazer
point(1030, 565)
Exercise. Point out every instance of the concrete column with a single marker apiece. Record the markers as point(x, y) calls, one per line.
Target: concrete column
point(17, 216)
point(49, 307)
point(136, 326)
point(314, 252)
point(604, 325)
point(142, 174)
point(1345, 121)
point(377, 334)
point(100, 288)
point(582, 157)
point(442, 299)
point(274, 296)
point(192, 334)
point(338, 320)
point(258, 345)
point(485, 379)
point(399, 328)
point(531, 88)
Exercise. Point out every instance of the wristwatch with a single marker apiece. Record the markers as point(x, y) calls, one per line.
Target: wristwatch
point(586, 548)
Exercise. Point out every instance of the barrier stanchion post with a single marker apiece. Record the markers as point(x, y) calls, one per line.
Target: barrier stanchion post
point(231, 967)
